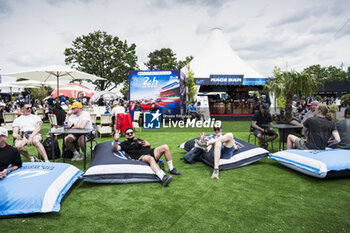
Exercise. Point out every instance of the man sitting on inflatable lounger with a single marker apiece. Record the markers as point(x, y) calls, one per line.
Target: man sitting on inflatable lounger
point(141, 150)
point(223, 147)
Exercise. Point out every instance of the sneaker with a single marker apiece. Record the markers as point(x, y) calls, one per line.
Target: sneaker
point(215, 174)
point(166, 180)
point(80, 157)
point(36, 159)
point(201, 144)
point(75, 157)
point(175, 172)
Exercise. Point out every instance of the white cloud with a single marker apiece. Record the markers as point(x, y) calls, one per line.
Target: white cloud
point(264, 33)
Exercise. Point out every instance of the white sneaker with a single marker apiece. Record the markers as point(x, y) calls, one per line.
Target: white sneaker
point(75, 157)
point(80, 157)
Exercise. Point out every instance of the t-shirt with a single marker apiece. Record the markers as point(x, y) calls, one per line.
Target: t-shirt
point(320, 130)
point(343, 127)
point(62, 100)
point(308, 115)
point(262, 120)
point(117, 109)
point(26, 123)
point(84, 116)
point(191, 108)
point(135, 150)
point(9, 155)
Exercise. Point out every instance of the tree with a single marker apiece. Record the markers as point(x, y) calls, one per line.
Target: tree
point(327, 74)
point(102, 55)
point(286, 84)
point(191, 90)
point(165, 59)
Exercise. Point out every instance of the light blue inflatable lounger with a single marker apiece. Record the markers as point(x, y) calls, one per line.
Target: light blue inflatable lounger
point(317, 163)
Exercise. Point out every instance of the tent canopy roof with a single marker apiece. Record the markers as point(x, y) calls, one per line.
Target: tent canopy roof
point(218, 58)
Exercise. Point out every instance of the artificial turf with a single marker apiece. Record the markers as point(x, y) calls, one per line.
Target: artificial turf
point(261, 197)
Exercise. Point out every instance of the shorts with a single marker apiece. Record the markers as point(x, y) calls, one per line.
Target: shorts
point(151, 153)
point(226, 152)
point(77, 136)
point(25, 138)
point(301, 144)
point(269, 133)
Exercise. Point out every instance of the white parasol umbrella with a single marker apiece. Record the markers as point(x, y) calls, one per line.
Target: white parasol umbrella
point(15, 85)
point(54, 73)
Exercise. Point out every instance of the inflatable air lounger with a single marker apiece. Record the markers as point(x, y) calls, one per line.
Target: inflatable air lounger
point(246, 154)
point(36, 188)
point(317, 163)
point(117, 167)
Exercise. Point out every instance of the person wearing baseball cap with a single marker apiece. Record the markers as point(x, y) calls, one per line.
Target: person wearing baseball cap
point(62, 99)
point(313, 105)
point(343, 127)
point(10, 159)
point(261, 124)
point(78, 119)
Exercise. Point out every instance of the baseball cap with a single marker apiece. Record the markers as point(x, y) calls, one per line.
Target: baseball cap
point(315, 103)
point(3, 132)
point(76, 105)
point(265, 107)
point(347, 110)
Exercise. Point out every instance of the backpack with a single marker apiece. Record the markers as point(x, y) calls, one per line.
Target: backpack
point(48, 148)
point(193, 155)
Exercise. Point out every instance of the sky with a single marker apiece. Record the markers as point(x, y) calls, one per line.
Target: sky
point(283, 33)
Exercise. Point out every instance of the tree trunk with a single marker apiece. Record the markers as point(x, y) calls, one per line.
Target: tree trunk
point(288, 107)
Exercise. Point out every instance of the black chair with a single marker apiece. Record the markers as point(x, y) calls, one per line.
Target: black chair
point(251, 132)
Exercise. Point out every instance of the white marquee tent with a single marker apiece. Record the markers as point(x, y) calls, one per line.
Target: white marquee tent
point(218, 58)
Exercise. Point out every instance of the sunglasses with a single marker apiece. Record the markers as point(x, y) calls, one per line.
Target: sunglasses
point(217, 129)
point(130, 133)
point(29, 108)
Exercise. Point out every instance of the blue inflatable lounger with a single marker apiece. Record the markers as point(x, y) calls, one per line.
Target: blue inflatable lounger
point(117, 167)
point(317, 163)
point(246, 154)
point(36, 188)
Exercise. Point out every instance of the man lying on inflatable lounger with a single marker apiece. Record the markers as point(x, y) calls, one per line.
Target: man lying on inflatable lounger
point(141, 150)
point(223, 147)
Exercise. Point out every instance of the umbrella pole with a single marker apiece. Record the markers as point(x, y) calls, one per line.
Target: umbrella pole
point(58, 88)
point(42, 90)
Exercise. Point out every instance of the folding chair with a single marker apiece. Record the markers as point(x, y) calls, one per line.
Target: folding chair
point(9, 117)
point(136, 121)
point(105, 125)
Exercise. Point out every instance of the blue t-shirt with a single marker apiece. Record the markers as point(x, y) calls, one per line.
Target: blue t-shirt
point(191, 107)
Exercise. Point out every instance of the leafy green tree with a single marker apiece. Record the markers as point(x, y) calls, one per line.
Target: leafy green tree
point(191, 90)
point(165, 59)
point(103, 55)
point(328, 74)
point(286, 84)
point(183, 63)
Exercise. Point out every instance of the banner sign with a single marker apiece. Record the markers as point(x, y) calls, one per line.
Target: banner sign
point(163, 88)
point(220, 79)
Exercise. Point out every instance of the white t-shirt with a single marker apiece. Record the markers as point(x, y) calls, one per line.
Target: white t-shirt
point(84, 116)
point(117, 109)
point(26, 123)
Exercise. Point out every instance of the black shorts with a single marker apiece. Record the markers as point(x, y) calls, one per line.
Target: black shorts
point(151, 153)
point(269, 133)
point(88, 136)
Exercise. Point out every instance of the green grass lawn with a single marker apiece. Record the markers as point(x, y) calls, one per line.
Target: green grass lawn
point(262, 197)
